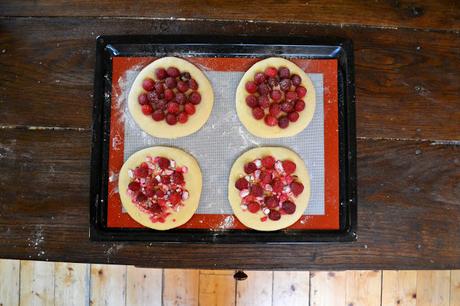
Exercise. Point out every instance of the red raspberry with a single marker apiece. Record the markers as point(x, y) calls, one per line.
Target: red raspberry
point(289, 166)
point(265, 177)
point(296, 188)
point(182, 86)
point(171, 119)
point(276, 95)
point(263, 101)
point(296, 80)
point(159, 193)
point(173, 108)
point(263, 89)
point(142, 99)
point(163, 163)
point(293, 117)
point(284, 73)
point(155, 208)
point(251, 87)
point(301, 91)
point(170, 82)
point(268, 162)
point(257, 191)
point(258, 113)
point(287, 107)
point(253, 207)
point(141, 198)
point(274, 215)
point(283, 122)
point(195, 98)
point(180, 98)
point(270, 120)
point(161, 73)
point(159, 88)
point(147, 109)
point(299, 105)
point(278, 186)
point(175, 198)
point(166, 179)
point(241, 183)
point(291, 96)
point(193, 84)
point(169, 94)
point(134, 186)
point(158, 115)
point(141, 172)
point(152, 97)
point(285, 84)
point(148, 84)
point(250, 168)
point(177, 178)
point(259, 78)
point(275, 109)
point(271, 202)
point(182, 117)
point(173, 72)
point(288, 207)
point(189, 108)
point(251, 101)
point(271, 72)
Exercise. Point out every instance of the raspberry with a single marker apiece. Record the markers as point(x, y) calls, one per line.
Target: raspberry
point(250, 168)
point(271, 72)
point(274, 215)
point(263, 89)
point(284, 73)
point(170, 82)
point(268, 162)
point(163, 163)
point(289, 166)
point(287, 107)
point(270, 120)
point(265, 177)
point(134, 186)
point(301, 91)
point(148, 84)
point(141, 172)
point(251, 87)
point(177, 178)
point(258, 113)
point(174, 198)
point(283, 122)
point(288, 207)
point(158, 115)
point(259, 78)
point(171, 119)
point(291, 96)
point(193, 84)
point(296, 80)
point(241, 183)
point(141, 197)
point(182, 117)
point(263, 101)
point(182, 86)
point(142, 99)
point(253, 207)
point(293, 117)
point(173, 72)
point(189, 108)
point(278, 186)
point(257, 191)
point(299, 105)
point(275, 110)
point(181, 98)
point(195, 98)
point(271, 202)
point(147, 109)
point(276, 95)
point(173, 108)
point(169, 94)
point(161, 73)
point(251, 101)
point(159, 88)
point(296, 188)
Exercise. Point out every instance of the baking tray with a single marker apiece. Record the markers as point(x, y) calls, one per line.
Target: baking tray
point(109, 47)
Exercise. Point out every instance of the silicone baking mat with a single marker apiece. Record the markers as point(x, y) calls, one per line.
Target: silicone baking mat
point(223, 138)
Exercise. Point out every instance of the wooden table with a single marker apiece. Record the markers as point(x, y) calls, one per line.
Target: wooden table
point(408, 126)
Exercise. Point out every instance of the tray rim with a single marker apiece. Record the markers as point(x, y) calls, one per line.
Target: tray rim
point(98, 231)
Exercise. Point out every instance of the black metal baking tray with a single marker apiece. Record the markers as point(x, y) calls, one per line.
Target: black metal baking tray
point(108, 47)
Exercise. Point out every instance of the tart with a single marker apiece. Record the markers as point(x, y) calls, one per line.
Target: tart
point(170, 98)
point(268, 188)
point(275, 98)
point(160, 187)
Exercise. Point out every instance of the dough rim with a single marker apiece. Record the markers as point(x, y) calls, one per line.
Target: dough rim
point(161, 129)
point(253, 220)
point(193, 179)
point(258, 127)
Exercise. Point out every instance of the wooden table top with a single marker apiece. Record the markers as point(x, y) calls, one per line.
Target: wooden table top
point(407, 57)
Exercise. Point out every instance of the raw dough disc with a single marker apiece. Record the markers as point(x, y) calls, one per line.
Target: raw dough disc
point(258, 127)
point(160, 128)
point(253, 220)
point(192, 178)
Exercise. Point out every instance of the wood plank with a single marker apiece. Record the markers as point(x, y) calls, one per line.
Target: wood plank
point(363, 288)
point(328, 288)
point(181, 287)
point(143, 286)
point(71, 283)
point(399, 288)
point(407, 82)
point(217, 289)
point(37, 283)
point(402, 186)
point(108, 285)
point(418, 13)
point(9, 282)
point(257, 289)
point(291, 288)
point(455, 288)
point(433, 288)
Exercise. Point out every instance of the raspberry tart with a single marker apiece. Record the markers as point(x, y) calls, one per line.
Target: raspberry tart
point(170, 98)
point(275, 98)
point(160, 187)
point(269, 188)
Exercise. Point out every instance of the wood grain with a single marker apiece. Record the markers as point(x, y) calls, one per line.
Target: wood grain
point(291, 288)
point(419, 14)
point(407, 82)
point(9, 282)
point(37, 284)
point(399, 288)
point(328, 288)
point(71, 284)
point(108, 285)
point(363, 288)
point(407, 187)
point(143, 286)
point(217, 288)
point(454, 287)
point(181, 287)
point(433, 288)
point(257, 289)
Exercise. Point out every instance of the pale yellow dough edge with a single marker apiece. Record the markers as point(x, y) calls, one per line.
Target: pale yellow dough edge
point(258, 127)
point(192, 178)
point(160, 128)
point(253, 220)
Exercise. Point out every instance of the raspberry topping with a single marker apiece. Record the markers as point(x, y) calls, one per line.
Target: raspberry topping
point(157, 187)
point(275, 95)
point(166, 97)
point(269, 186)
